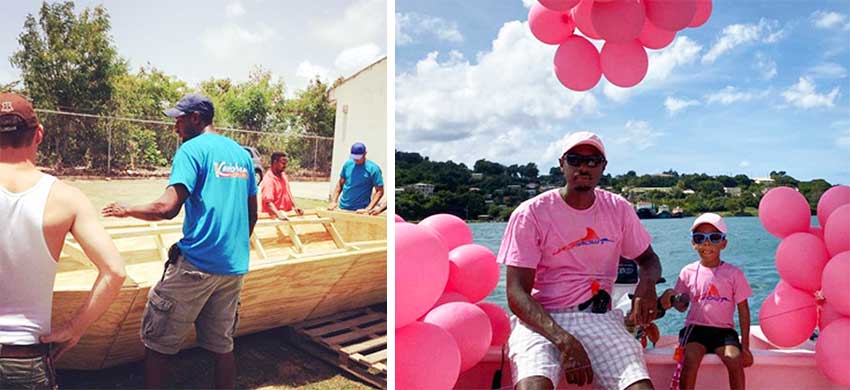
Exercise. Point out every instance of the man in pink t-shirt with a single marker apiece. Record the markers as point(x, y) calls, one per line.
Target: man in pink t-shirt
point(562, 249)
point(715, 288)
point(275, 194)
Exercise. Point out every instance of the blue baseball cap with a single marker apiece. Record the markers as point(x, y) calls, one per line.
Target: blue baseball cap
point(357, 150)
point(193, 102)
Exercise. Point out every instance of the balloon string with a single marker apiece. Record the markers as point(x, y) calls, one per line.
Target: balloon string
point(786, 312)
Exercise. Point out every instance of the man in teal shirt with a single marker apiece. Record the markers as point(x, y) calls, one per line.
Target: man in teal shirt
point(356, 180)
point(214, 178)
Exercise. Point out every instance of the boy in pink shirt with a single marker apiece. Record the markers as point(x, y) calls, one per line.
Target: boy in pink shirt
point(716, 288)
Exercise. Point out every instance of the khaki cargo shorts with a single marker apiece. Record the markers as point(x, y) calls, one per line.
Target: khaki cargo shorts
point(27, 373)
point(186, 297)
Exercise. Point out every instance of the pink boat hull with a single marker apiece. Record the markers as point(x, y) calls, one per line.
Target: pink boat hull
point(773, 368)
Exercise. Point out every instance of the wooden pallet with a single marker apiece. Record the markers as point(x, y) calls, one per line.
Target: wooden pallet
point(355, 341)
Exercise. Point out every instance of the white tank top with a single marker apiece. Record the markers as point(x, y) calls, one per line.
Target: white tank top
point(27, 269)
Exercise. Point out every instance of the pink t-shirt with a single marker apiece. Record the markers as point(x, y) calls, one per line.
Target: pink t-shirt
point(570, 248)
point(714, 292)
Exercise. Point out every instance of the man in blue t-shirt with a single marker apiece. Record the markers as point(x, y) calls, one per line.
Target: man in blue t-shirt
point(213, 177)
point(356, 180)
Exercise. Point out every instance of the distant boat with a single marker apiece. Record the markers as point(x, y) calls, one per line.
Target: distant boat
point(645, 210)
point(678, 212)
point(663, 212)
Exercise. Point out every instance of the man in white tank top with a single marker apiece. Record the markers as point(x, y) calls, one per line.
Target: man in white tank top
point(37, 211)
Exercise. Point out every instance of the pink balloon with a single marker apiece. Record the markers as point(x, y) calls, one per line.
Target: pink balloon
point(500, 322)
point(800, 259)
point(672, 15)
point(618, 21)
point(559, 5)
point(826, 315)
point(581, 16)
point(832, 199)
point(398, 218)
point(577, 64)
point(817, 231)
point(836, 279)
point(550, 27)
point(653, 37)
point(452, 230)
point(624, 64)
point(473, 271)
point(784, 211)
point(421, 271)
point(702, 13)
point(788, 316)
point(421, 351)
point(836, 232)
point(469, 326)
point(448, 296)
point(832, 352)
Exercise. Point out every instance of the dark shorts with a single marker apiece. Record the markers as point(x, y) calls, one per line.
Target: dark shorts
point(27, 373)
point(710, 337)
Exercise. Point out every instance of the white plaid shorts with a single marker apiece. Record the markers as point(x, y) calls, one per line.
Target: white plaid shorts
point(616, 357)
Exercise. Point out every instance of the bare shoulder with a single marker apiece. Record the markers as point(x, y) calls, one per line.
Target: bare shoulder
point(67, 195)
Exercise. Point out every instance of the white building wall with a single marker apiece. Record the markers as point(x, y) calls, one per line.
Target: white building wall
point(361, 116)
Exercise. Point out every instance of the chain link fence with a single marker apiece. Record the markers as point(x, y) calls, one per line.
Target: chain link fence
point(115, 146)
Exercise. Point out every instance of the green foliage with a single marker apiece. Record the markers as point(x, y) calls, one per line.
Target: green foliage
point(312, 111)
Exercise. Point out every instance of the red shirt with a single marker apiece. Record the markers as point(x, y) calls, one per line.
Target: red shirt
point(275, 190)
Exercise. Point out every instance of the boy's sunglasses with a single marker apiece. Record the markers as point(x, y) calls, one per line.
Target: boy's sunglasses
point(575, 160)
point(714, 238)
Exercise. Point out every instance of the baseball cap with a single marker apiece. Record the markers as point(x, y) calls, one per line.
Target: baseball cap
point(14, 105)
point(711, 219)
point(193, 102)
point(357, 150)
point(583, 138)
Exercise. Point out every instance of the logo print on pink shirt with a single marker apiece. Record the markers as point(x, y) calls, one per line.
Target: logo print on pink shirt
point(590, 238)
point(713, 294)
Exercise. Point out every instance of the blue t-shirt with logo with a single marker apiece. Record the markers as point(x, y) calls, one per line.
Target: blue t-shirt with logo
point(359, 180)
point(219, 175)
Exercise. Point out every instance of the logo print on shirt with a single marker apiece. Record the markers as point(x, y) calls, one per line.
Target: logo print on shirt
point(230, 171)
point(713, 294)
point(590, 238)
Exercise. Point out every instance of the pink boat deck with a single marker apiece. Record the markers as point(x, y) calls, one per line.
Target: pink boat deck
point(773, 368)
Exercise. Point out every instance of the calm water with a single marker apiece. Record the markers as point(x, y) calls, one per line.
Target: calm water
point(750, 247)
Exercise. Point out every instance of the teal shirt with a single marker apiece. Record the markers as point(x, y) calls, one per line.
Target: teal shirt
point(219, 175)
point(359, 180)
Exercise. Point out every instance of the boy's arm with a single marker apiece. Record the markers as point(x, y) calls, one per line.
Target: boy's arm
point(744, 321)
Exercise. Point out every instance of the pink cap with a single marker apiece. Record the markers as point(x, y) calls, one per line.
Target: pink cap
point(583, 138)
point(711, 219)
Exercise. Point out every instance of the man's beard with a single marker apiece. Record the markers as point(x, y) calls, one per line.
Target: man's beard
point(582, 188)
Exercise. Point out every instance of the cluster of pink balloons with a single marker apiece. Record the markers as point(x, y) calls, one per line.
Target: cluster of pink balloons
point(442, 328)
point(627, 26)
point(814, 268)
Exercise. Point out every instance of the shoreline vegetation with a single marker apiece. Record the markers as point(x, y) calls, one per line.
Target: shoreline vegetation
point(489, 191)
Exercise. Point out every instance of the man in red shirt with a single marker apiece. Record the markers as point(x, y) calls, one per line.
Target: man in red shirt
point(274, 189)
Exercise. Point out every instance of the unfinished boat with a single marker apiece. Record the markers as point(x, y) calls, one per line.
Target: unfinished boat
point(308, 267)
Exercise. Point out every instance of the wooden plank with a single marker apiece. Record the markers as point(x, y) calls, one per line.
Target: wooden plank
point(359, 333)
point(335, 235)
point(359, 347)
point(331, 318)
point(345, 324)
point(376, 357)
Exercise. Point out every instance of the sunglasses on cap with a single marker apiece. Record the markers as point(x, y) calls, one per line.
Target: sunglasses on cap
point(714, 238)
point(575, 160)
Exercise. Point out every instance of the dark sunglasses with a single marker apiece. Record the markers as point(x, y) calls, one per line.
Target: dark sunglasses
point(575, 160)
point(714, 238)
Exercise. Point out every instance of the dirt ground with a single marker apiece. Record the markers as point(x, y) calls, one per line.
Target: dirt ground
point(265, 360)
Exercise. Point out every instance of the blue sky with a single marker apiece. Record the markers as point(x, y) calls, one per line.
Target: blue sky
point(196, 40)
point(762, 86)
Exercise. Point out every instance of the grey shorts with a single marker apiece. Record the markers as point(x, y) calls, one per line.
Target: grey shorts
point(27, 373)
point(186, 297)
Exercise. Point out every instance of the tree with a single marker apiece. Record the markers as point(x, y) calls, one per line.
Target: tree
point(68, 62)
point(312, 112)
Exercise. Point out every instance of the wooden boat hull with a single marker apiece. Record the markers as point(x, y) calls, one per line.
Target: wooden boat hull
point(282, 288)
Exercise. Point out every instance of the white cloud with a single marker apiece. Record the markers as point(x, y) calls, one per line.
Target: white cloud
point(829, 19)
point(674, 105)
point(411, 27)
point(234, 9)
point(309, 71)
point(765, 66)
point(355, 58)
point(682, 51)
point(233, 40)
point(362, 21)
point(528, 3)
point(767, 31)
point(636, 136)
point(449, 106)
point(803, 95)
point(744, 164)
point(731, 95)
point(829, 70)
